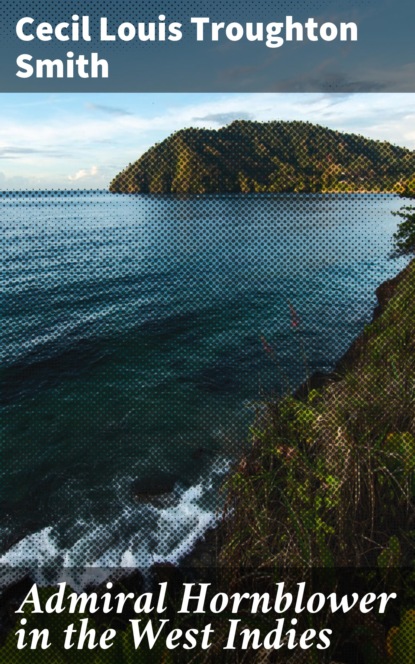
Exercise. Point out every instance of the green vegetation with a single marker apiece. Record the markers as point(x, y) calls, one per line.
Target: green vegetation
point(325, 495)
point(330, 479)
point(333, 471)
point(404, 237)
point(247, 157)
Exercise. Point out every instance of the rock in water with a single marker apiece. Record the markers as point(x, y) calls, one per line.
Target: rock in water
point(146, 488)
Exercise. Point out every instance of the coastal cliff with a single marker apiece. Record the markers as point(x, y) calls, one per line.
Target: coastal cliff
point(326, 494)
point(261, 157)
point(316, 451)
point(327, 485)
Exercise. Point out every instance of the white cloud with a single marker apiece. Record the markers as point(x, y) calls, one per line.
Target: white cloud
point(84, 173)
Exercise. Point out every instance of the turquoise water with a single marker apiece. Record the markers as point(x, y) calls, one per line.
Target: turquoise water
point(138, 335)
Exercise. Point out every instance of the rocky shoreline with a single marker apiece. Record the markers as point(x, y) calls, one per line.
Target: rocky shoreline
point(205, 552)
point(203, 559)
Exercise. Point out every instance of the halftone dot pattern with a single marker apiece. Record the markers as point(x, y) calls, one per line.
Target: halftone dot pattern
point(144, 333)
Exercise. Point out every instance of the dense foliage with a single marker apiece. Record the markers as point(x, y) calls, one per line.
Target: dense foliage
point(330, 480)
point(268, 157)
point(404, 238)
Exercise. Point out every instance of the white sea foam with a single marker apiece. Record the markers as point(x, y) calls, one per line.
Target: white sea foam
point(140, 536)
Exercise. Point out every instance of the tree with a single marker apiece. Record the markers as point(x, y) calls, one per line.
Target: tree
point(404, 238)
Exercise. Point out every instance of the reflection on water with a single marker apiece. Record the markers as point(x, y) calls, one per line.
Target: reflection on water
point(136, 339)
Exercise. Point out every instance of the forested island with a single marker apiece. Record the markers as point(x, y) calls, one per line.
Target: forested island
point(268, 157)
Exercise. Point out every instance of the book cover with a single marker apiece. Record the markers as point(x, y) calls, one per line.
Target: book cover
point(207, 281)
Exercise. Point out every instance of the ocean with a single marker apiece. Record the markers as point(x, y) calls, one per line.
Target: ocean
point(141, 335)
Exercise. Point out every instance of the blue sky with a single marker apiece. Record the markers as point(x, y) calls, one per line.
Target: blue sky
point(83, 140)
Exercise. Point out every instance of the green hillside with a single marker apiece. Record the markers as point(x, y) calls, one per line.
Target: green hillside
point(329, 483)
point(268, 157)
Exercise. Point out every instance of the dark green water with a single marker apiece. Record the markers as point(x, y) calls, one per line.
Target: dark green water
point(136, 336)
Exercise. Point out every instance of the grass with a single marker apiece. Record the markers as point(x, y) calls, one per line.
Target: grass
point(329, 479)
point(327, 485)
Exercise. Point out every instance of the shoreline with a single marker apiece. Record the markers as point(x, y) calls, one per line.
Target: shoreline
point(205, 552)
point(202, 562)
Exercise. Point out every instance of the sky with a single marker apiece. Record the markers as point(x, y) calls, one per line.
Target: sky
point(81, 141)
